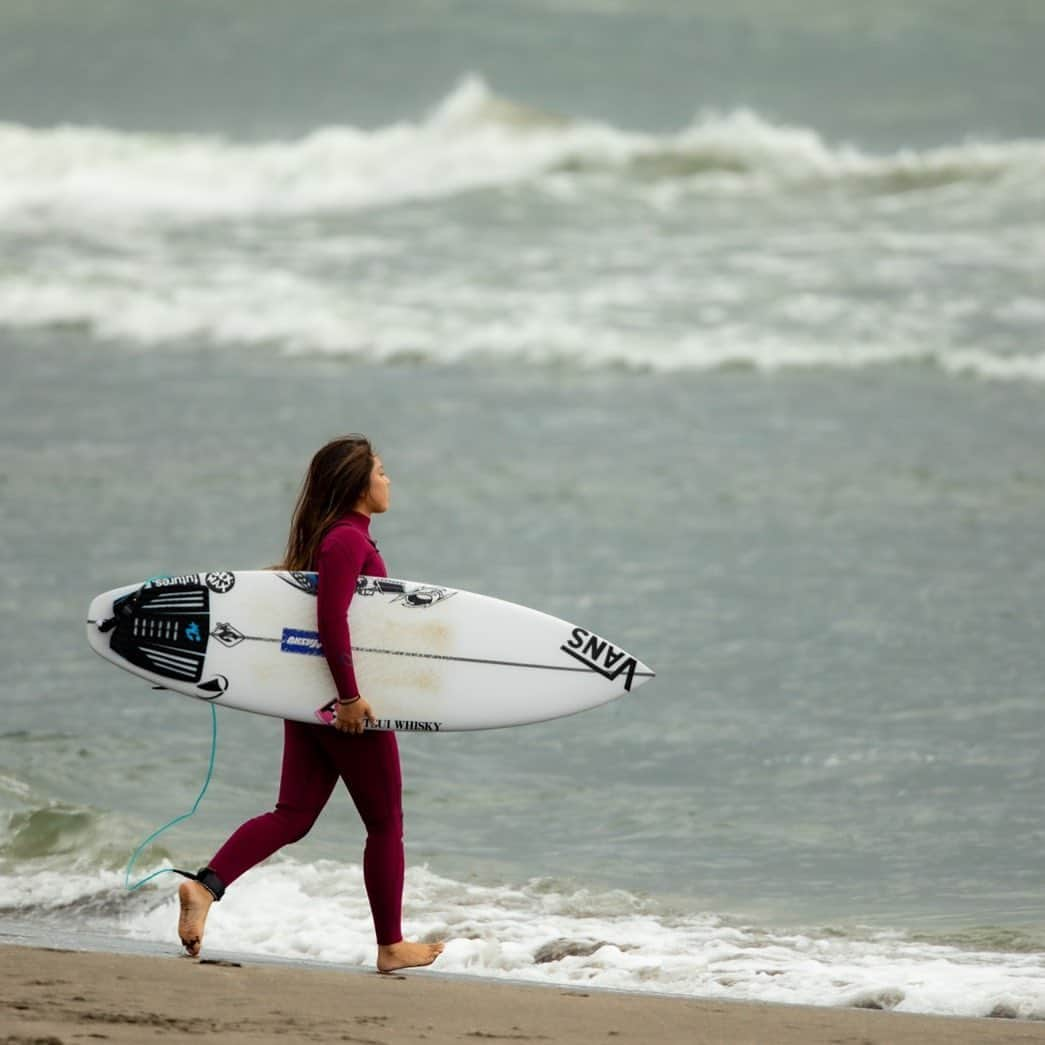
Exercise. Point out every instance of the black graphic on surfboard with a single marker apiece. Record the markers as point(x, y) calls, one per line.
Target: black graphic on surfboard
point(306, 582)
point(228, 635)
point(221, 581)
point(422, 598)
point(214, 687)
point(601, 656)
point(368, 586)
point(164, 627)
point(414, 596)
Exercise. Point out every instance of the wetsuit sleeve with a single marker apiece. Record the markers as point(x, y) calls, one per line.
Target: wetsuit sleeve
point(340, 562)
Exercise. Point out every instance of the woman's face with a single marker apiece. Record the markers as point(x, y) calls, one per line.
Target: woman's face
point(378, 494)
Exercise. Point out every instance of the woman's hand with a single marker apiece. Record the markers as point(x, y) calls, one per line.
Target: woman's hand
point(353, 718)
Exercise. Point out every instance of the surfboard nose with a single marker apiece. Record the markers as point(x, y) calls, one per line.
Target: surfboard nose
point(643, 673)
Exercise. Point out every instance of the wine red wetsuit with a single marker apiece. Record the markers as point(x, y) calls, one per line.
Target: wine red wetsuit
point(314, 756)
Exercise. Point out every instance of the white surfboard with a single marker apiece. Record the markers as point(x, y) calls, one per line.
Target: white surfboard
point(427, 658)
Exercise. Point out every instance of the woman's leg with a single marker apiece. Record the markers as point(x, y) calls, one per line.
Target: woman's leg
point(307, 778)
point(369, 766)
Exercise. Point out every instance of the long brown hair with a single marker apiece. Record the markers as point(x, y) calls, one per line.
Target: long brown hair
point(337, 478)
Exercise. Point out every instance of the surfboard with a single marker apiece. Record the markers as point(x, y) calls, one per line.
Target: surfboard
point(428, 658)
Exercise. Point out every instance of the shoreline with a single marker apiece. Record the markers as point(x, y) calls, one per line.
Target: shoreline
point(57, 994)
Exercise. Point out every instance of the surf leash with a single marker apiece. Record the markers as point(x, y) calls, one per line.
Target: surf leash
point(177, 820)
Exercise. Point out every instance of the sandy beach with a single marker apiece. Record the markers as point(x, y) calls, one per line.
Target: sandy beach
point(59, 997)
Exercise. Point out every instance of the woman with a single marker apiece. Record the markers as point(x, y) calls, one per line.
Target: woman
point(330, 532)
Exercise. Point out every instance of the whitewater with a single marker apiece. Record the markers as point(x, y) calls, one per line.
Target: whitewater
point(493, 231)
point(545, 931)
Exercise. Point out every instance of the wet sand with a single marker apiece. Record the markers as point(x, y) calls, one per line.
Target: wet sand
point(61, 997)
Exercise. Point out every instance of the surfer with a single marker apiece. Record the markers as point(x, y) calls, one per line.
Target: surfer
point(330, 532)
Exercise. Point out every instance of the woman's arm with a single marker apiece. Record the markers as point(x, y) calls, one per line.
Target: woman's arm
point(340, 561)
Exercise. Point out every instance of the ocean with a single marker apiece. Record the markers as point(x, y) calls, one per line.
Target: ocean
point(717, 328)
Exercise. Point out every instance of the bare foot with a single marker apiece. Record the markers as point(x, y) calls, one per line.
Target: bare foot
point(406, 955)
point(195, 903)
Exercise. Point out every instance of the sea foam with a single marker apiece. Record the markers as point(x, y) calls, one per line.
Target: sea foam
point(548, 932)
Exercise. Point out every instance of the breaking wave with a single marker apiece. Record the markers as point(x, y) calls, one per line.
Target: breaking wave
point(473, 139)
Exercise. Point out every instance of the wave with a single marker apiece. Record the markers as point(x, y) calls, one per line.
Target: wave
point(58, 828)
point(553, 932)
point(54, 834)
point(474, 139)
point(153, 240)
point(298, 319)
